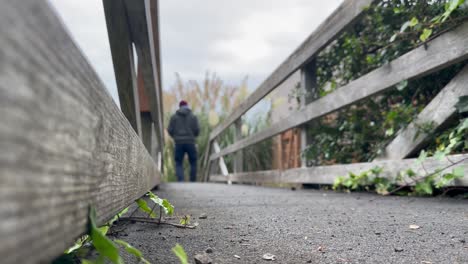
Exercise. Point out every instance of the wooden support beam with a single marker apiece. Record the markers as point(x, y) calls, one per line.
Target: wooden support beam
point(122, 58)
point(441, 109)
point(441, 52)
point(65, 143)
point(222, 164)
point(147, 131)
point(309, 94)
point(343, 17)
point(207, 162)
point(328, 174)
point(141, 28)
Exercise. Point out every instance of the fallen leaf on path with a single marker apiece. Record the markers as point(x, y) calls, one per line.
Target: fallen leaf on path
point(426, 262)
point(414, 227)
point(237, 257)
point(269, 256)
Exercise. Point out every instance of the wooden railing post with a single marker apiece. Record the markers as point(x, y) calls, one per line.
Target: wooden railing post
point(239, 156)
point(309, 93)
point(207, 162)
point(124, 61)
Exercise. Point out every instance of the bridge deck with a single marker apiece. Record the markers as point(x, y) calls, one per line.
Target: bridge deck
point(307, 226)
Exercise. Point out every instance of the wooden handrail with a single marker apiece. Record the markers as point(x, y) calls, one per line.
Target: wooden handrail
point(65, 144)
point(441, 52)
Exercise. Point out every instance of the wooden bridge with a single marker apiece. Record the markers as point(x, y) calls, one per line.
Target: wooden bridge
point(65, 145)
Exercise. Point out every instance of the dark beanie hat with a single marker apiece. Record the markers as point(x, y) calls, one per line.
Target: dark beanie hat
point(182, 103)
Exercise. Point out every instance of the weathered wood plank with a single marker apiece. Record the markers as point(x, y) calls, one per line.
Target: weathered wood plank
point(441, 52)
point(207, 162)
point(328, 174)
point(147, 132)
point(310, 92)
point(437, 112)
point(65, 144)
point(336, 23)
point(239, 156)
point(124, 63)
point(141, 28)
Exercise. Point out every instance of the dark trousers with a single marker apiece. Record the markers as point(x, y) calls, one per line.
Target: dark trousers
point(179, 154)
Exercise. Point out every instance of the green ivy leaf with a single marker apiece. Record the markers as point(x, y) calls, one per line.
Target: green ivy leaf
point(180, 253)
point(389, 132)
point(458, 172)
point(463, 126)
point(405, 26)
point(450, 7)
point(402, 85)
point(132, 250)
point(422, 157)
point(423, 187)
point(168, 207)
point(439, 155)
point(425, 34)
point(413, 22)
point(103, 245)
point(145, 208)
point(462, 105)
point(117, 216)
point(185, 220)
point(164, 203)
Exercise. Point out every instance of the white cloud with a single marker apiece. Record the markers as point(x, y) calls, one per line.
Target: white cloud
point(233, 38)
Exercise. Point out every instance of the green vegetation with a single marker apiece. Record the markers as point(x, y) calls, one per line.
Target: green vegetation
point(180, 253)
point(387, 30)
point(106, 248)
point(415, 184)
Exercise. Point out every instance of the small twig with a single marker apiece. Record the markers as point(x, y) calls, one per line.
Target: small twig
point(152, 209)
point(154, 221)
point(451, 161)
point(424, 168)
point(160, 214)
point(134, 211)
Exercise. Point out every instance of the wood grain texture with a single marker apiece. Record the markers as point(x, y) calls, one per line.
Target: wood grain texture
point(65, 144)
point(441, 52)
point(310, 93)
point(442, 108)
point(336, 23)
point(141, 28)
point(122, 58)
point(328, 174)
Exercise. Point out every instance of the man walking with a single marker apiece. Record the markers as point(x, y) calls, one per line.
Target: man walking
point(184, 128)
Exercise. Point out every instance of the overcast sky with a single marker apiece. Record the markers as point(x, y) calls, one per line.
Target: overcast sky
point(233, 38)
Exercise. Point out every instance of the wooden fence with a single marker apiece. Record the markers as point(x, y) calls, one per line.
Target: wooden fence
point(443, 51)
point(65, 145)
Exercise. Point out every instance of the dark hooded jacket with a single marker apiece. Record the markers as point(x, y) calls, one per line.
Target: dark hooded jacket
point(183, 126)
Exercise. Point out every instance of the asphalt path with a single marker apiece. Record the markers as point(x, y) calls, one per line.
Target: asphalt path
point(303, 226)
